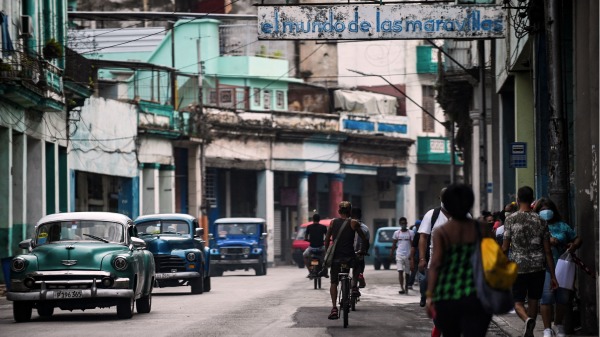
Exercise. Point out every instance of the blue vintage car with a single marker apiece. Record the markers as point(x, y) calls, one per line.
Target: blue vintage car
point(82, 260)
point(238, 243)
point(180, 255)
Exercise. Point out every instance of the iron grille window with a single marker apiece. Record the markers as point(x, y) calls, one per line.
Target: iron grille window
point(428, 105)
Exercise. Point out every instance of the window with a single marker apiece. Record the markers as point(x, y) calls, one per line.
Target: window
point(280, 100)
point(256, 96)
point(429, 106)
point(212, 97)
point(267, 100)
point(226, 96)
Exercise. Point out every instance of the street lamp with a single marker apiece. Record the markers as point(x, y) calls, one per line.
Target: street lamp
point(447, 125)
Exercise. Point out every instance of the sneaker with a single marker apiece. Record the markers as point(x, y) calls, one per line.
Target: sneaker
point(361, 281)
point(409, 288)
point(422, 303)
point(529, 326)
point(560, 331)
point(401, 292)
point(548, 332)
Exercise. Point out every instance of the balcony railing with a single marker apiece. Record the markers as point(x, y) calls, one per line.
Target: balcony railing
point(34, 73)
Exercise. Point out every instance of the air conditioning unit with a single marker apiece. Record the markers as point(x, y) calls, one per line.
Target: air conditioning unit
point(26, 26)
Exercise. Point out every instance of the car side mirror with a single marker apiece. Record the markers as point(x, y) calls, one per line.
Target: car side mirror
point(26, 244)
point(263, 235)
point(199, 232)
point(138, 243)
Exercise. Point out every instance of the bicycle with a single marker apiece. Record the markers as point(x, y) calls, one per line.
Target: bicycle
point(344, 293)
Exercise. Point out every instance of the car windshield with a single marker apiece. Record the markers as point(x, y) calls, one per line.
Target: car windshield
point(80, 230)
point(386, 235)
point(301, 233)
point(236, 229)
point(153, 227)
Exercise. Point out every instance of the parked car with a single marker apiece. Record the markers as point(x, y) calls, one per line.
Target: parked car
point(238, 243)
point(382, 245)
point(82, 260)
point(299, 245)
point(180, 255)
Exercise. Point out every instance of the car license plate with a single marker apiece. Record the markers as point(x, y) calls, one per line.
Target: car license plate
point(314, 262)
point(162, 276)
point(66, 294)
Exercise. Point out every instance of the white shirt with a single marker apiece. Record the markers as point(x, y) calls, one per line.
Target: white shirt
point(425, 227)
point(404, 241)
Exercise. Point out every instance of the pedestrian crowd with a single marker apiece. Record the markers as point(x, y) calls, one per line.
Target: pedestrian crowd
point(438, 252)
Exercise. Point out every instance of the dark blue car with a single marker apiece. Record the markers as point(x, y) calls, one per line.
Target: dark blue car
point(180, 254)
point(238, 243)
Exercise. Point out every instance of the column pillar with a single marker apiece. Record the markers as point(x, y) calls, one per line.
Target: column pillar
point(19, 176)
point(475, 160)
point(194, 181)
point(303, 212)
point(36, 180)
point(228, 193)
point(166, 181)
point(6, 198)
point(336, 193)
point(265, 208)
point(400, 199)
point(150, 189)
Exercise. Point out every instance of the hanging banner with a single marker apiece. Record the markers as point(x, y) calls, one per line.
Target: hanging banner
point(380, 22)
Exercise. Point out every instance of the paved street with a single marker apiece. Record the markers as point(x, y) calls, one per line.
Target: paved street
point(283, 303)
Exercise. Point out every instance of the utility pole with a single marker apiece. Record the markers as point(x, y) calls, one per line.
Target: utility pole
point(558, 160)
point(482, 129)
point(174, 71)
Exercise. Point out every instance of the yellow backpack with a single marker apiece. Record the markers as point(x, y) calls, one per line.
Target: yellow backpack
point(498, 271)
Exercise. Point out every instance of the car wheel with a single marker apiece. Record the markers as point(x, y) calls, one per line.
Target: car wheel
point(207, 284)
point(125, 308)
point(22, 311)
point(386, 265)
point(197, 285)
point(377, 264)
point(261, 269)
point(45, 310)
point(144, 304)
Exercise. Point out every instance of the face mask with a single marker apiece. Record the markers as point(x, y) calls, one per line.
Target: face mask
point(506, 214)
point(403, 227)
point(546, 214)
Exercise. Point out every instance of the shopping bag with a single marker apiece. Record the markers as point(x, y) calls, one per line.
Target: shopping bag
point(565, 271)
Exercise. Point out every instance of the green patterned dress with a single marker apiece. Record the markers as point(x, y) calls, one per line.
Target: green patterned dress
point(455, 278)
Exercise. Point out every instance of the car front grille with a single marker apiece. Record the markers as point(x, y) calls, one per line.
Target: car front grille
point(169, 263)
point(235, 250)
point(72, 280)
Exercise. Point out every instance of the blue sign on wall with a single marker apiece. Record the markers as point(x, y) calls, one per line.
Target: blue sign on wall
point(518, 155)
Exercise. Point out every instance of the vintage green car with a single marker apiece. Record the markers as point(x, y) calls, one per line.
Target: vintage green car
point(82, 260)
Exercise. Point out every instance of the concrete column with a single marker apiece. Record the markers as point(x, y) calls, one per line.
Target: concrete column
point(228, 194)
point(19, 176)
point(36, 180)
point(265, 208)
point(303, 211)
point(166, 179)
point(400, 199)
point(6, 197)
point(475, 160)
point(525, 128)
point(336, 193)
point(150, 189)
point(194, 181)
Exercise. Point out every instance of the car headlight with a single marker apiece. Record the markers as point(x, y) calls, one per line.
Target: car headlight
point(214, 251)
point(18, 264)
point(191, 257)
point(120, 263)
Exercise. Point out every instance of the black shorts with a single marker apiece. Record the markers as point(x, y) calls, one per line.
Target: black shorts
point(336, 265)
point(529, 285)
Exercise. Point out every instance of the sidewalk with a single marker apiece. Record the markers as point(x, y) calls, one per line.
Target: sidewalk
point(513, 326)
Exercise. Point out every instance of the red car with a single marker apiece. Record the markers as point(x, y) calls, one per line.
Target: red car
point(299, 245)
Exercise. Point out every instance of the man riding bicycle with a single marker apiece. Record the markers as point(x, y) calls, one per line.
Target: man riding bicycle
point(315, 233)
point(343, 230)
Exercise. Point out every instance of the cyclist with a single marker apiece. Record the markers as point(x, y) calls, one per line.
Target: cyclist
point(357, 215)
point(315, 233)
point(343, 230)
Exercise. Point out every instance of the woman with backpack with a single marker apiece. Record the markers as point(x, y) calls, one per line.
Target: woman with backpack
point(456, 309)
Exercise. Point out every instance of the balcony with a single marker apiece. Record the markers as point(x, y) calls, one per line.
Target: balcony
point(427, 60)
point(31, 83)
point(434, 150)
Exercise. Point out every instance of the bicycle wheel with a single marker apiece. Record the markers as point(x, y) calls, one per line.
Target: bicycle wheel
point(319, 283)
point(316, 281)
point(345, 301)
point(353, 302)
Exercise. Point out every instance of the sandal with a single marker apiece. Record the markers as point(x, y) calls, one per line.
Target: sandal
point(334, 314)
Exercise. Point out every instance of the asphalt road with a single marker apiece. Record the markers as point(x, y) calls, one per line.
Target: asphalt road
point(282, 303)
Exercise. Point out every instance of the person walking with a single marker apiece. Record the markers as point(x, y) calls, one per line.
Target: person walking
point(414, 255)
point(401, 246)
point(434, 218)
point(528, 238)
point(451, 293)
point(343, 230)
point(562, 239)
